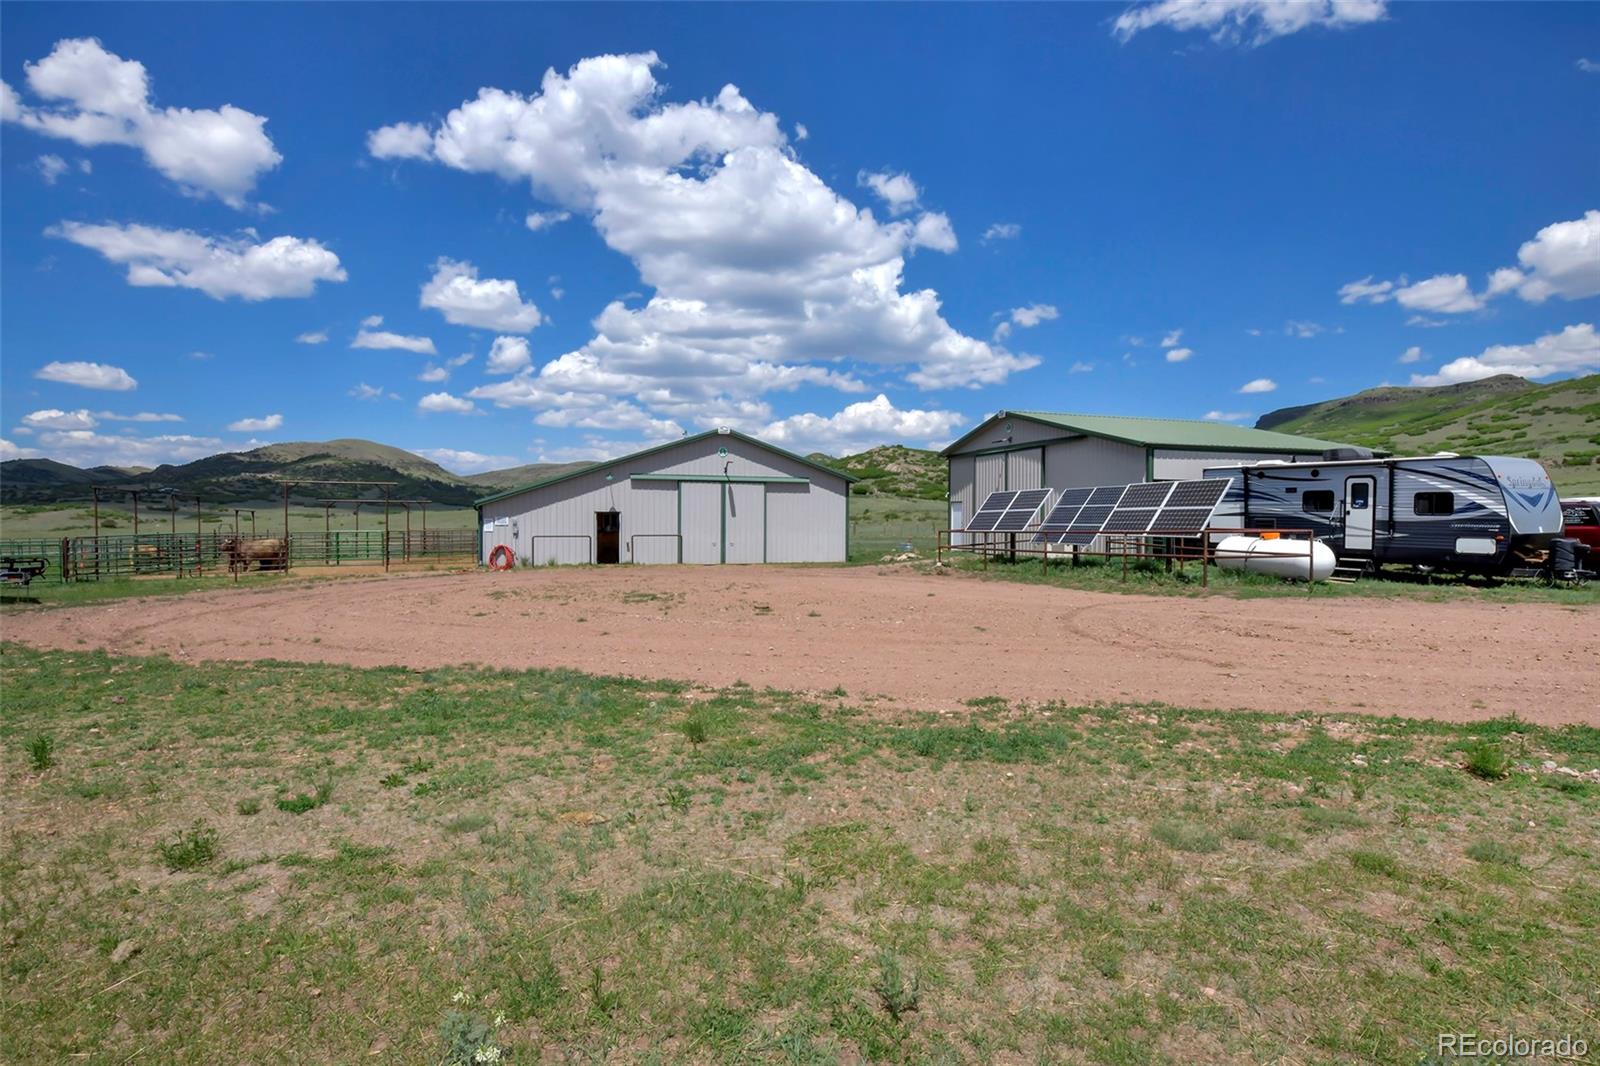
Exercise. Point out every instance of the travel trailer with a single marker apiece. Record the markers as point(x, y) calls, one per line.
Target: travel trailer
point(1475, 514)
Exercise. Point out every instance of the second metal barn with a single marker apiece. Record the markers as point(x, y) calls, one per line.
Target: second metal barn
point(716, 497)
point(1041, 449)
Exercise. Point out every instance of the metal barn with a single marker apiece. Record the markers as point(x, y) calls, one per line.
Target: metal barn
point(716, 497)
point(1041, 449)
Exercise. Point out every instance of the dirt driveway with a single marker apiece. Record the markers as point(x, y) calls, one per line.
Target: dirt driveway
point(921, 640)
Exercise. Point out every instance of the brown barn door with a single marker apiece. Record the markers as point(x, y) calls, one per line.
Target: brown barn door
point(607, 536)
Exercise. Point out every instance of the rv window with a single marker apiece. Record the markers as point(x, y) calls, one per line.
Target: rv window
point(1318, 501)
point(1358, 493)
point(1434, 503)
point(1577, 514)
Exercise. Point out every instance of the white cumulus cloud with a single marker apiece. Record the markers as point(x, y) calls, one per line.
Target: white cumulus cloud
point(1563, 259)
point(456, 291)
point(94, 97)
point(1448, 294)
point(443, 401)
point(256, 425)
point(87, 375)
point(762, 276)
point(87, 447)
point(1412, 354)
point(860, 426)
point(220, 267)
point(1575, 350)
point(898, 192)
point(50, 167)
point(1366, 290)
point(538, 220)
point(382, 339)
point(1172, 339)
point(508, 355)
point(1178, 355)
point(1247, 22)
point(459, 461)
point(54, 418)
point(1002, 231)
point(1228, 416)
point(316, 336)
point(1258, 385)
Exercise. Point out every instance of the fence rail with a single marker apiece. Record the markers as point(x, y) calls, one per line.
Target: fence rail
point(180, 554)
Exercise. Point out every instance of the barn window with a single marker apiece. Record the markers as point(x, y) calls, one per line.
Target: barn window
point(1317, 501)
point(1434, 503)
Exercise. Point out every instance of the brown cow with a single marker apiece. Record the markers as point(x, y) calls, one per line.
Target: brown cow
point(268, 553)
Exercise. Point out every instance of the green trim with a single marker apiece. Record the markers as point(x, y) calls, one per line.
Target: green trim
point(743, 479)
point(763, 523)
point(680, 523)
point(849, 478)
point(847, 527)
point(479, 524)
point(1007, 448)
point(1149, 464)
point(723, 492)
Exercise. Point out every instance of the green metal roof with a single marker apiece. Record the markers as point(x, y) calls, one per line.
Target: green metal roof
point(480, 501)
point(1165, 432)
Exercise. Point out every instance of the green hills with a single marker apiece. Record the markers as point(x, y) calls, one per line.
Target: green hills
point(1558, 423)
point(893, 470)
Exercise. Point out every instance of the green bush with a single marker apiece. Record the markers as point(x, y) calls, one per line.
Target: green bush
point(191, 848)
point(1488, 760)
point(42, 752)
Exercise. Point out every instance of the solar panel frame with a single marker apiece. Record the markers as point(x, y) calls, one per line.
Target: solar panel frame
point(994, 505)
point(1076, 540)
point(1065, 510)
point(998, 500)
point(1106, 495)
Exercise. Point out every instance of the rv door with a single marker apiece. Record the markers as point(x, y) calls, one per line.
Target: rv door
point(1360, 494)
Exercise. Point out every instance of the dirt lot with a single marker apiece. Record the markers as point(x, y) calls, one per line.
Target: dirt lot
point(921, 641)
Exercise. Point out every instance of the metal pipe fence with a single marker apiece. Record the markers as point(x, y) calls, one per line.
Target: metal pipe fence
point(181, 554)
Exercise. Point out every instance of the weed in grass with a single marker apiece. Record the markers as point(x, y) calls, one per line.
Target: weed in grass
point(1185, 836)
point(190, 848)
point(1375, 862)
point(677, 797)
point(248, 806)
point(307, 801)
point(1330, 819)
point(1488, 760)
point(470, 1040)
point(1493, 853)
point(42, 752)
point(895, 993)
point(601, 999)
point(417, 766)
point(694, 730)
point(392, 780)
point(467, 823)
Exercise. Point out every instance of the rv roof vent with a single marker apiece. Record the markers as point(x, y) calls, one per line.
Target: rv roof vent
point(1343, 454)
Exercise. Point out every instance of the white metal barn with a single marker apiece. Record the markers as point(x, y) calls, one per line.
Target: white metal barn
point(716, 497)
point(1041, 449)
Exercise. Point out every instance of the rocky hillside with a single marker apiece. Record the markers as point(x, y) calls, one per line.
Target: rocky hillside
point(1558, 424)
point(893, 470)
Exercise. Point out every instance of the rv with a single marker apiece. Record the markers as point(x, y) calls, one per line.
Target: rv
point(1479, 514)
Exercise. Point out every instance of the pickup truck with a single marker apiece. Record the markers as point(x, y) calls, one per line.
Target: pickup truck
point(1580, 519)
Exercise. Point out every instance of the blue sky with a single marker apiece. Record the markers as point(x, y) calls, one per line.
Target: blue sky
point(502, 234)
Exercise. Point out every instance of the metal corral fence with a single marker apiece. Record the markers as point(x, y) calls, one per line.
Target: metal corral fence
point(179, 554)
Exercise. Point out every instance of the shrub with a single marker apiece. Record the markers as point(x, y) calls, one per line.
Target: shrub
point(1488, 761)
point(248, 806)
point(42, 752)
point(694, 730)
point(191, 848)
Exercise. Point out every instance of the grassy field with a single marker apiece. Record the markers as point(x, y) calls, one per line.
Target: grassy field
point(274, 863)
point(1151, 577)
point(882, 525)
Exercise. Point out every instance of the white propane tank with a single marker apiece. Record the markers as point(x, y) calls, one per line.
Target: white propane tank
point(1278, 556)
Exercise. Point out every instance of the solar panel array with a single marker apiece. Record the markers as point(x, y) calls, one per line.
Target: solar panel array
point(1008, 512)
point(1180, 508)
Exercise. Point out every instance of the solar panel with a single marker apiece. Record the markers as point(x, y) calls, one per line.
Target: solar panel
point(1022, 510)
point(1107, 495)
point(1146, 494)
point(1130, 520)
point(994, 505)
point(1076, 540)
point(1091, 517)
point(1181, 520)
point(1206, 492)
